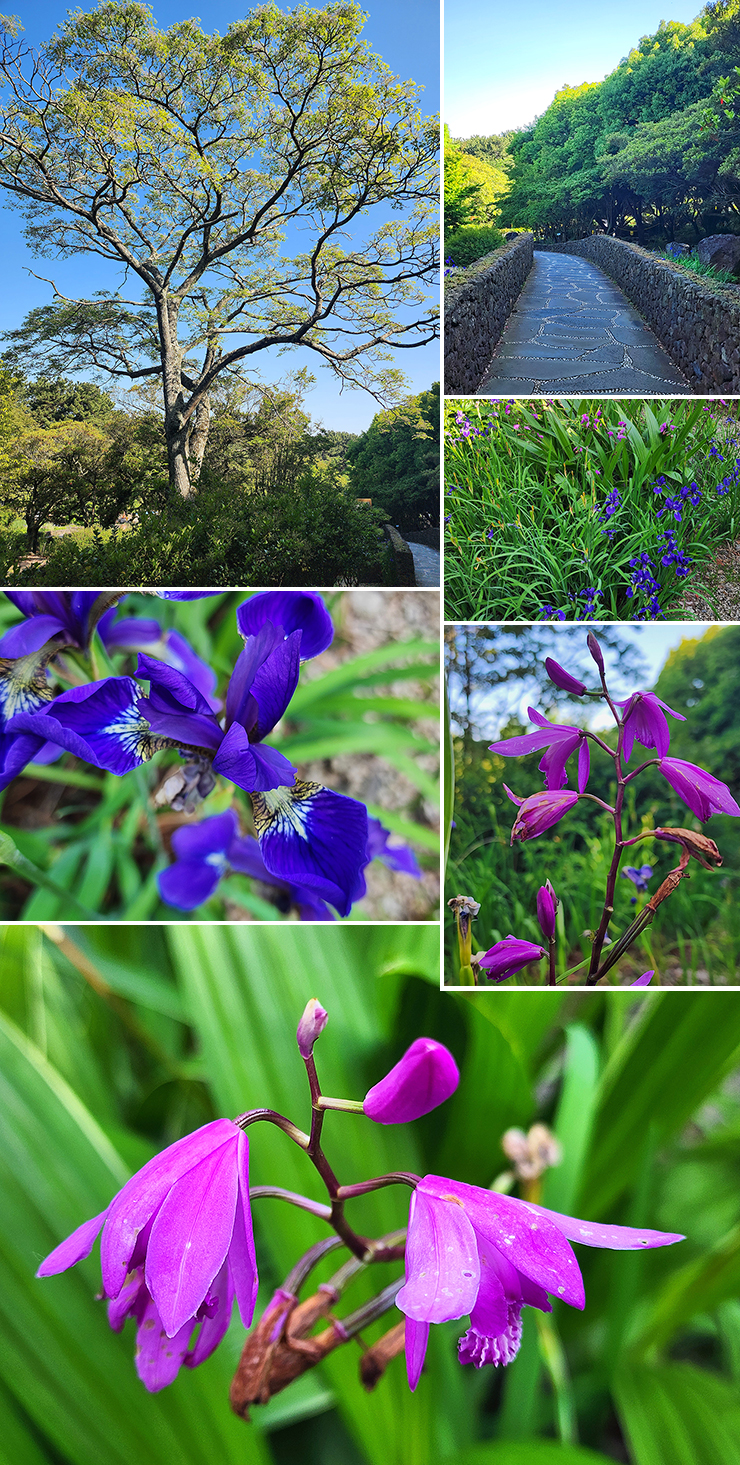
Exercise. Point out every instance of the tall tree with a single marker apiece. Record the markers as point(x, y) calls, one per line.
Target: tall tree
point(187, 159)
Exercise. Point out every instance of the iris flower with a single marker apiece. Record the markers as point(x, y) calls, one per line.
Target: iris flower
point(176, 1248)
point(205, 852)
point(308, 835)
point(474, 1252)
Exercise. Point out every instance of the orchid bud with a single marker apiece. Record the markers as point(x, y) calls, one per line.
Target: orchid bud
point(547, 906)
point(595, 650)
point(425, 1076)
point(563, 678)
point(311, 1026)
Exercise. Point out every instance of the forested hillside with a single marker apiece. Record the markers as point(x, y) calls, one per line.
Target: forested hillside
point(651, 152)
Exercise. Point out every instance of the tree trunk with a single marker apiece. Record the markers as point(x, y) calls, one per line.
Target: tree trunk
point(199, 437)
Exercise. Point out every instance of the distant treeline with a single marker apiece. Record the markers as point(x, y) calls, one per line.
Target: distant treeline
point(652, 151)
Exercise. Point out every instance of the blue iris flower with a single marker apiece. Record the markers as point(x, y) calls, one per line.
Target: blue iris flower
point(204, 853)
point(639, 877)
point(308, 835)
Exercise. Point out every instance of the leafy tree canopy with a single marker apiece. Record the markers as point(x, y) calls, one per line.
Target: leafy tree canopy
point(188, 160)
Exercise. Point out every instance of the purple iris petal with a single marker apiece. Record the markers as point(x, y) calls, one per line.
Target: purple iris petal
point(241, 706)
point(563, 678)
point(253, 766)
point(420, 1081)
point(134, 633)
point(275, 682)
point(508, 957)
point(294, 610)
point(187, 883)
point(185, 594)
point(704, 794)
point(169, 690)
point(397, 857)
point(639, 877)
point(99, 722)
point(30, 636)
point(311, 836)
point(645, 719)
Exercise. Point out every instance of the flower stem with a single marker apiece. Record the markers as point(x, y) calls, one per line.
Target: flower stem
point(272, 1117)
point(611, 879)
point(316, 1207)
point(347, 1106)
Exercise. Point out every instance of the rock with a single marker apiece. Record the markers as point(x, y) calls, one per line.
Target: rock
point(722, 251)
point(675, 249)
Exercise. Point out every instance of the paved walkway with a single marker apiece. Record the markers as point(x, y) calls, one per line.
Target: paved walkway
point(574, 333)
point(427, 563)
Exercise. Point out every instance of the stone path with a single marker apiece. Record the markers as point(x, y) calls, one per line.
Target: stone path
point(574, 333)
point(427, 563)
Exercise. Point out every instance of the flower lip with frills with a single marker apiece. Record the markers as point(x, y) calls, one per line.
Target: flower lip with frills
point(474, 1252)
point(176, 1248)
point(559, 740)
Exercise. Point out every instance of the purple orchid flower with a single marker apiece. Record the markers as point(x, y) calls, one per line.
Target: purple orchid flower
point(472, 1251)
point(547, 909)
point(644, 980)
point(308, 835)
point(639, 877)
point(645, 719)
point(539, 812)
point(420, 1081)
point(563, 678)
point(176, 1248)
point(508, 957)
point(704, 794)
point(559, 740)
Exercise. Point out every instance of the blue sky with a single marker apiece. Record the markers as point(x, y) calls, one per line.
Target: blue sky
point(405, 35)
point(653, 641)
point(504, 62)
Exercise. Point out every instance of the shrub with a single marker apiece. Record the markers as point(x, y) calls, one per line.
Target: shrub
point(313, 534)
point(465, 246)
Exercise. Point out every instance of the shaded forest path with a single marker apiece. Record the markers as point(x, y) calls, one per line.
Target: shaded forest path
point(574, 333)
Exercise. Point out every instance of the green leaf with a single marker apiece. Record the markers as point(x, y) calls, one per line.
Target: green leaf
point(573, 1120)
point(531, 1452)
point(678, 1414)
point(692, 1037)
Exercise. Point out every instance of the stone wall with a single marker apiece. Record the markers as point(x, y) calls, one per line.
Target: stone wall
point(403, 560)
point(697, 322)
point(477, 307)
